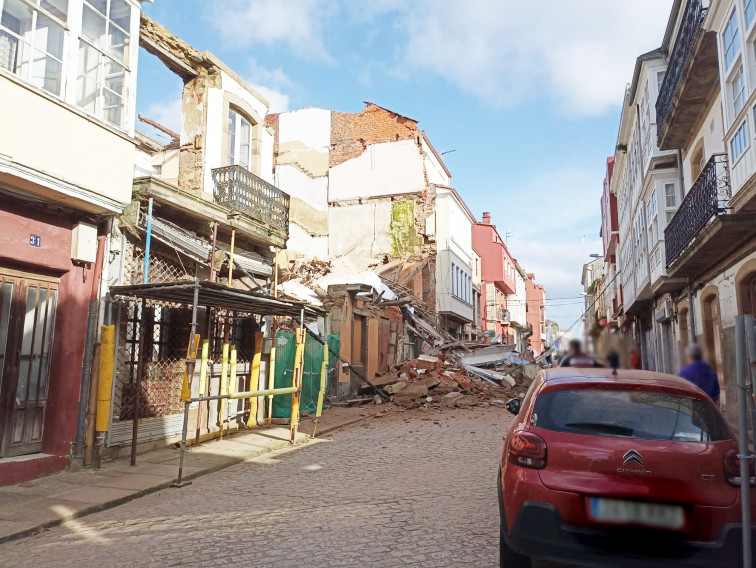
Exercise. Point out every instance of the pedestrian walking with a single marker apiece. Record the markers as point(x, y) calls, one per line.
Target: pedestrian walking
point(699, 372)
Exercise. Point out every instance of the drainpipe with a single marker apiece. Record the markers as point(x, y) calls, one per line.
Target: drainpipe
point(691, 313)
point(86, 368)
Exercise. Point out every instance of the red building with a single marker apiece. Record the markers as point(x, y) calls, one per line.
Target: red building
point(497, 279)
point(536, 301)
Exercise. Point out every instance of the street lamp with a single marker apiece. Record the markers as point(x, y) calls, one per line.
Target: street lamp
point(595, 255)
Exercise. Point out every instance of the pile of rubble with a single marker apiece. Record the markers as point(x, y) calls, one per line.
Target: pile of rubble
point(447, 381)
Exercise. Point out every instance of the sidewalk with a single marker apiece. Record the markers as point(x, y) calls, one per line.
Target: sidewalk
point(29, 507)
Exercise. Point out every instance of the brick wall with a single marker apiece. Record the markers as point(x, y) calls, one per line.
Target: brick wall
point(352, 132)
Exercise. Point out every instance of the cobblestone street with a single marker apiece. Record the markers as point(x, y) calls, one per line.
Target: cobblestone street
point(412, 489)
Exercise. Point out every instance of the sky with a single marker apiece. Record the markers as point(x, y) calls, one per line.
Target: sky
point(523, 99)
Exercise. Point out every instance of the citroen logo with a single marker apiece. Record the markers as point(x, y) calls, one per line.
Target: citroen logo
point(632, 456)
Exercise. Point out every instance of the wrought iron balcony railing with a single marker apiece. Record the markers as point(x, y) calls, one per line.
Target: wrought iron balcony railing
point(690, 27)
point(239, 189)
point(709, 197)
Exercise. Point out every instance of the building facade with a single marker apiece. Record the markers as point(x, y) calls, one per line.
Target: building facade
point(697, 217)
point(67, 73)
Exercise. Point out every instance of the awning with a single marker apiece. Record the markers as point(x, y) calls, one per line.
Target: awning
point(214, 295)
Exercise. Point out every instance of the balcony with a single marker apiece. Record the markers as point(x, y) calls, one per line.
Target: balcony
point(704, 231)
point(239, 190)
point(709, 197)
point(692, 77)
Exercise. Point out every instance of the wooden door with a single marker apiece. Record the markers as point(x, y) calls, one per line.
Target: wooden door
point(383, 342)
point(27, 321)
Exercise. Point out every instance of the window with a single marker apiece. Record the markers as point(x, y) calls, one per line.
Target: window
point(739, 142)
point(731, 40)
point(103, 59)
point(670, 195)
point(239, 140)
point(660, 79)
point(637, 414)
point(750, 11)
point(31, 42)
point(737, 90)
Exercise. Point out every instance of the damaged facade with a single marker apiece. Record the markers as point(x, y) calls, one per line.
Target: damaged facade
point(216, 216)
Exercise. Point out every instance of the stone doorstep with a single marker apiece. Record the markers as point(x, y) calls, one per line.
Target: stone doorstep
point(57, 501)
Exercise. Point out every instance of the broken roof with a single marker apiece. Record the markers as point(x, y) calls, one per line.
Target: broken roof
point(213, 295)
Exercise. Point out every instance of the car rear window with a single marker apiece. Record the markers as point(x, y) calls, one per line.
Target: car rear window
point(629, 414)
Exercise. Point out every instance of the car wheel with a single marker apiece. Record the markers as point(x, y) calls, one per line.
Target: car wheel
point(508, 558)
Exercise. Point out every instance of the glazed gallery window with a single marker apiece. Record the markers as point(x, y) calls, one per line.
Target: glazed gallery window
point(103, 59)
point(731, 40)
point(739, 142)
point(737, 90)
point(31, 41)
point(239, 140)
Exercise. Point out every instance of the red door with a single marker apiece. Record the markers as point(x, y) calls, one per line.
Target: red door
point(27, 321)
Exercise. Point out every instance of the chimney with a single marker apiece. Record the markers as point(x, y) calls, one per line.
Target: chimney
point(486, 218)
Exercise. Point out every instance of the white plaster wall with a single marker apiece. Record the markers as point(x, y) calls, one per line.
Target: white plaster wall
point(311, 126)
point(517, 302)
point(48, 136)
point(213, 135)
point(711, 132)
point(360, 231)
point(300, 241)
point(266, 156)
point(453, 226)
point(390, 168)
point(296, 183)
point(232, 86)
point(435, 170)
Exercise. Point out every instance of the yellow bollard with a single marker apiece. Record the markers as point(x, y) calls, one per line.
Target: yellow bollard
point(321, 392)
point(254, 379)
point(107, 360)
point(223, 387)
point(232, 379)
point(297, 382)
point(271, 380)
point(202, 385)
point(191, 355)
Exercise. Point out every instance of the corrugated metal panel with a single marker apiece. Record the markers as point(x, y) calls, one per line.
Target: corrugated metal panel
point(155, 428)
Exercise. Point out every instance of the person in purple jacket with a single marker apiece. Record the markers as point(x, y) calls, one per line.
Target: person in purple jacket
point(699, 372)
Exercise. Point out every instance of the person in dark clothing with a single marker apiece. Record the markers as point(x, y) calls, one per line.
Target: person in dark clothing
point(576, 357)
point(699, 372)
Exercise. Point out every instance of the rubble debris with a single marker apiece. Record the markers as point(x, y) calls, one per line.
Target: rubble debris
point(530, 371)
point(462, 380)
point(487, 375)
point(487, 356)
point(451, 399)
point(395, 388)
point(467, 401)
point(416, 390)
point(377, 399)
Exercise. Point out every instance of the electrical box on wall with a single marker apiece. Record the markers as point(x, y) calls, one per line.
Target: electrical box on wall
point(84, 243)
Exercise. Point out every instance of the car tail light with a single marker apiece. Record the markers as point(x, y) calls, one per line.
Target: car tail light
point(527, 450)
point(732, 469)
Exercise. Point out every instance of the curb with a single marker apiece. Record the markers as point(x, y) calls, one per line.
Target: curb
point(144, 492)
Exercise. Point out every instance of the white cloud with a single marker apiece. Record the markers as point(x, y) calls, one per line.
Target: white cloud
point(167, 113)
point(299, 25)
point(271, 83)
point(279, 102)
point(577, 54)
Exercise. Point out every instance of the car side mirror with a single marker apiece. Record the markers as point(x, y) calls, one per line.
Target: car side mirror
point(514, 406)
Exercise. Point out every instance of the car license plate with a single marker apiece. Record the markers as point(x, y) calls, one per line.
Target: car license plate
point(637, 513)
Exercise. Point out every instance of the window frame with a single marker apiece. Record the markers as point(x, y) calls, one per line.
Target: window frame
point(727, 46)
point(105, 57)
point(742, 134)
point(234, 141)
point(28, 61)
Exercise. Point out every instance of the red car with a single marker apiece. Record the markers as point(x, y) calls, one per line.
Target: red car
point(632, 469)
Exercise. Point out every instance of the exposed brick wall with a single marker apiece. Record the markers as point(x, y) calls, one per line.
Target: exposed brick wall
point(272, 121)
point(352, 132)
